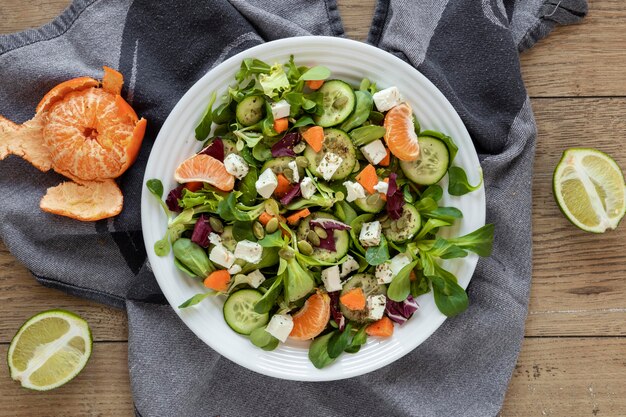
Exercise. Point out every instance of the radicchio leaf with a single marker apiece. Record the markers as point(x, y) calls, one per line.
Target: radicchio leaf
point(335, 312)
point(329, 224)
point(215, 149)
point(395, 198)
point(291, 194)
point(328, 243)
point(172, 199)
point(201, 231)
point(284, 147)
point(400, 312)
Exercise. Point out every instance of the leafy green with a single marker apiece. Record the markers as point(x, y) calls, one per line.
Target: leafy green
point(262, 152)
point(298, 281)
point(261, 338)
point(251, 66)
point(162, 246)
point(400, 286)
point(376, 255)
point(193, 257)
point(269, 258)
point(358, 340)
point(250, 137)
point(435, 192)
point(242, 230)
point(155, 186)
point(362, 109)
point(420, 285)
point(247, 186)
point(450, 298)
point(430, 226)
point(274, 83)
point(272, 240)
point(204, 127)
point(345, 212)
point(223, 113)
point(458, 183)
point(365, 134)
point(339, 341)
point(196, 299)
point(265, 304)
point(303, 121)
point(316, 73)
point(229, 210)
point(480, 241)
point(355, 229)
point(318, 351)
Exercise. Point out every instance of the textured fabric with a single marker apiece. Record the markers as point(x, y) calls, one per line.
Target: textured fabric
point(468, 48)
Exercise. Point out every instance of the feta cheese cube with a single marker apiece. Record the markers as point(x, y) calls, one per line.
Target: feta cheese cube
point(355, 190)
point(266, 183)
point(280, 109)
point(215, 239)
point(222, 256)
point(387, 98)
point(236, 166)
point(374, 152)
point(307, 188)
point(350, 265)
point(255, 278)
point(376, 306)
point(332, 279)
point(383, 273)
point(294, 167)
point(280, 326)
point(329, 165)
point(248, 251)
point(370, 234)
point(398, 262)
point(382, 187)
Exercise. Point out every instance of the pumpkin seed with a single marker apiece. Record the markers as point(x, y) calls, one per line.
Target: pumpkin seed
point(272, 225)
point(313, 238)
point(257, 229)
point(305, 247)
point(320, 232)
point(271, 206)
point(216, 225)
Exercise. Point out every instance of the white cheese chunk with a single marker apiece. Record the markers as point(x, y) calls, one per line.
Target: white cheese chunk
point(376, 306)
point(374, 152)
point(236, 166)
point(398, 262)
point(383, 273)
point(249, 251)
point(280, 326)
point(329, 165)
point(215, 239)
point(255, 278)
point(350, 265)
point(387, 98)
point(370, 234)
point(294, 167)
point(332, 279)
point(235, 269)
point(355, 190)
point(280, 109)
point(382, 187)
point(266, 183)
point(222, 256)
point(307, 188)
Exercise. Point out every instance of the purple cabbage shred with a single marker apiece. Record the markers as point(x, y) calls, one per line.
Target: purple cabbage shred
point(400, 312)
point(291, 194)
point(329, 224)
point(335, 312)
point(395, 199)
point(284, 147)
point(172, 199)
point(328, 243)
point(201, 231)
point(215, 149)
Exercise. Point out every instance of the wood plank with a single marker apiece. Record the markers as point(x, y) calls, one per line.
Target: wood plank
point(22, 297)
point(579, 279)
point(587, 59)
point(23, 14)
point(573, 377)
point(101, 389)
point(357, 17)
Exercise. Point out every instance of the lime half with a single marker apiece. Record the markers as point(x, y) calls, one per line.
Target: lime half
point(49, 350)
point(589, 188)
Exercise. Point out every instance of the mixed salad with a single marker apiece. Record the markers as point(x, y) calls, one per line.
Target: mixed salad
point(313, 209)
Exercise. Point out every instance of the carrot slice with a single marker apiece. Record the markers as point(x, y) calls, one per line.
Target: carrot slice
point(295, 218)
point(265, 218)
point(354, 299)
point(314, 84)
point(314, 136)
point(368, 178)
point(380, 328)
point(386, 160)
point(283, 186)
point(280, 125)
point(218, 280)
point(194, 186)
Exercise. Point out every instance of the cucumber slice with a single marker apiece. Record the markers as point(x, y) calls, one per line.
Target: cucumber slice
point(432, 164)
point(239, 311)
point(370, 287)
point(337, 103)
point(405, 227)
point(280, 166)
point(339, 143)
point(373, 203)
point(342, 239)
point(250, 110)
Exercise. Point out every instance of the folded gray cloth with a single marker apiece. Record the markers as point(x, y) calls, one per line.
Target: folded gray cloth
point(468, 48)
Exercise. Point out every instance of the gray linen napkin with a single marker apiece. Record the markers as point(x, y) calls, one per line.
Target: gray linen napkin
point(468, 48)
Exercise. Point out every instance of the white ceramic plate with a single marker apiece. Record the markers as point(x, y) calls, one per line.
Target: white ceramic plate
point(351, 61)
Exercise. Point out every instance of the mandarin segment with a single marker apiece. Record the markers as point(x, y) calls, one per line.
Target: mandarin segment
point(205, 168)
point(400, 136)
point(312, 318)
point(89, 201)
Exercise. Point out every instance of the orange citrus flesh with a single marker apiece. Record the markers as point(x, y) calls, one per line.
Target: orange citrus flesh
point(312, 318)
point(400, 136)
point(58, 92)
point(89, 201)
point(25, 141)
point(207, 169)
point(112, 81)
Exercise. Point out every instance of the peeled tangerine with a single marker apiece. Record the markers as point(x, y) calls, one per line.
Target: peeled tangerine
point(87, 132)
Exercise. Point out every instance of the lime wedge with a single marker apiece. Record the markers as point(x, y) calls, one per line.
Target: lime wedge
point(49, 350)
point(589, 188)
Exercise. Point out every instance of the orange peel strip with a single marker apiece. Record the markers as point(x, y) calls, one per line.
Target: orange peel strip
point(25, 141)
point(58, 92)
point(112, 81)
point(89, 201)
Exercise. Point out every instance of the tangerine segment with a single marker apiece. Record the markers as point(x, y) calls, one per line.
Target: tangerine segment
point(25, 141)
point(89, 137)
point(207, 169)
point(400, 136)
point(89, 201)
point(58, 92)
point(312, 318)
point(112, 81)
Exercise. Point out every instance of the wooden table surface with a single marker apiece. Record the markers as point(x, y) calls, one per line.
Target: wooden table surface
point(573, 360)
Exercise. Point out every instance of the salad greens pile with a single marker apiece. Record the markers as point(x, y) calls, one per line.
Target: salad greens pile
point(326, 234)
